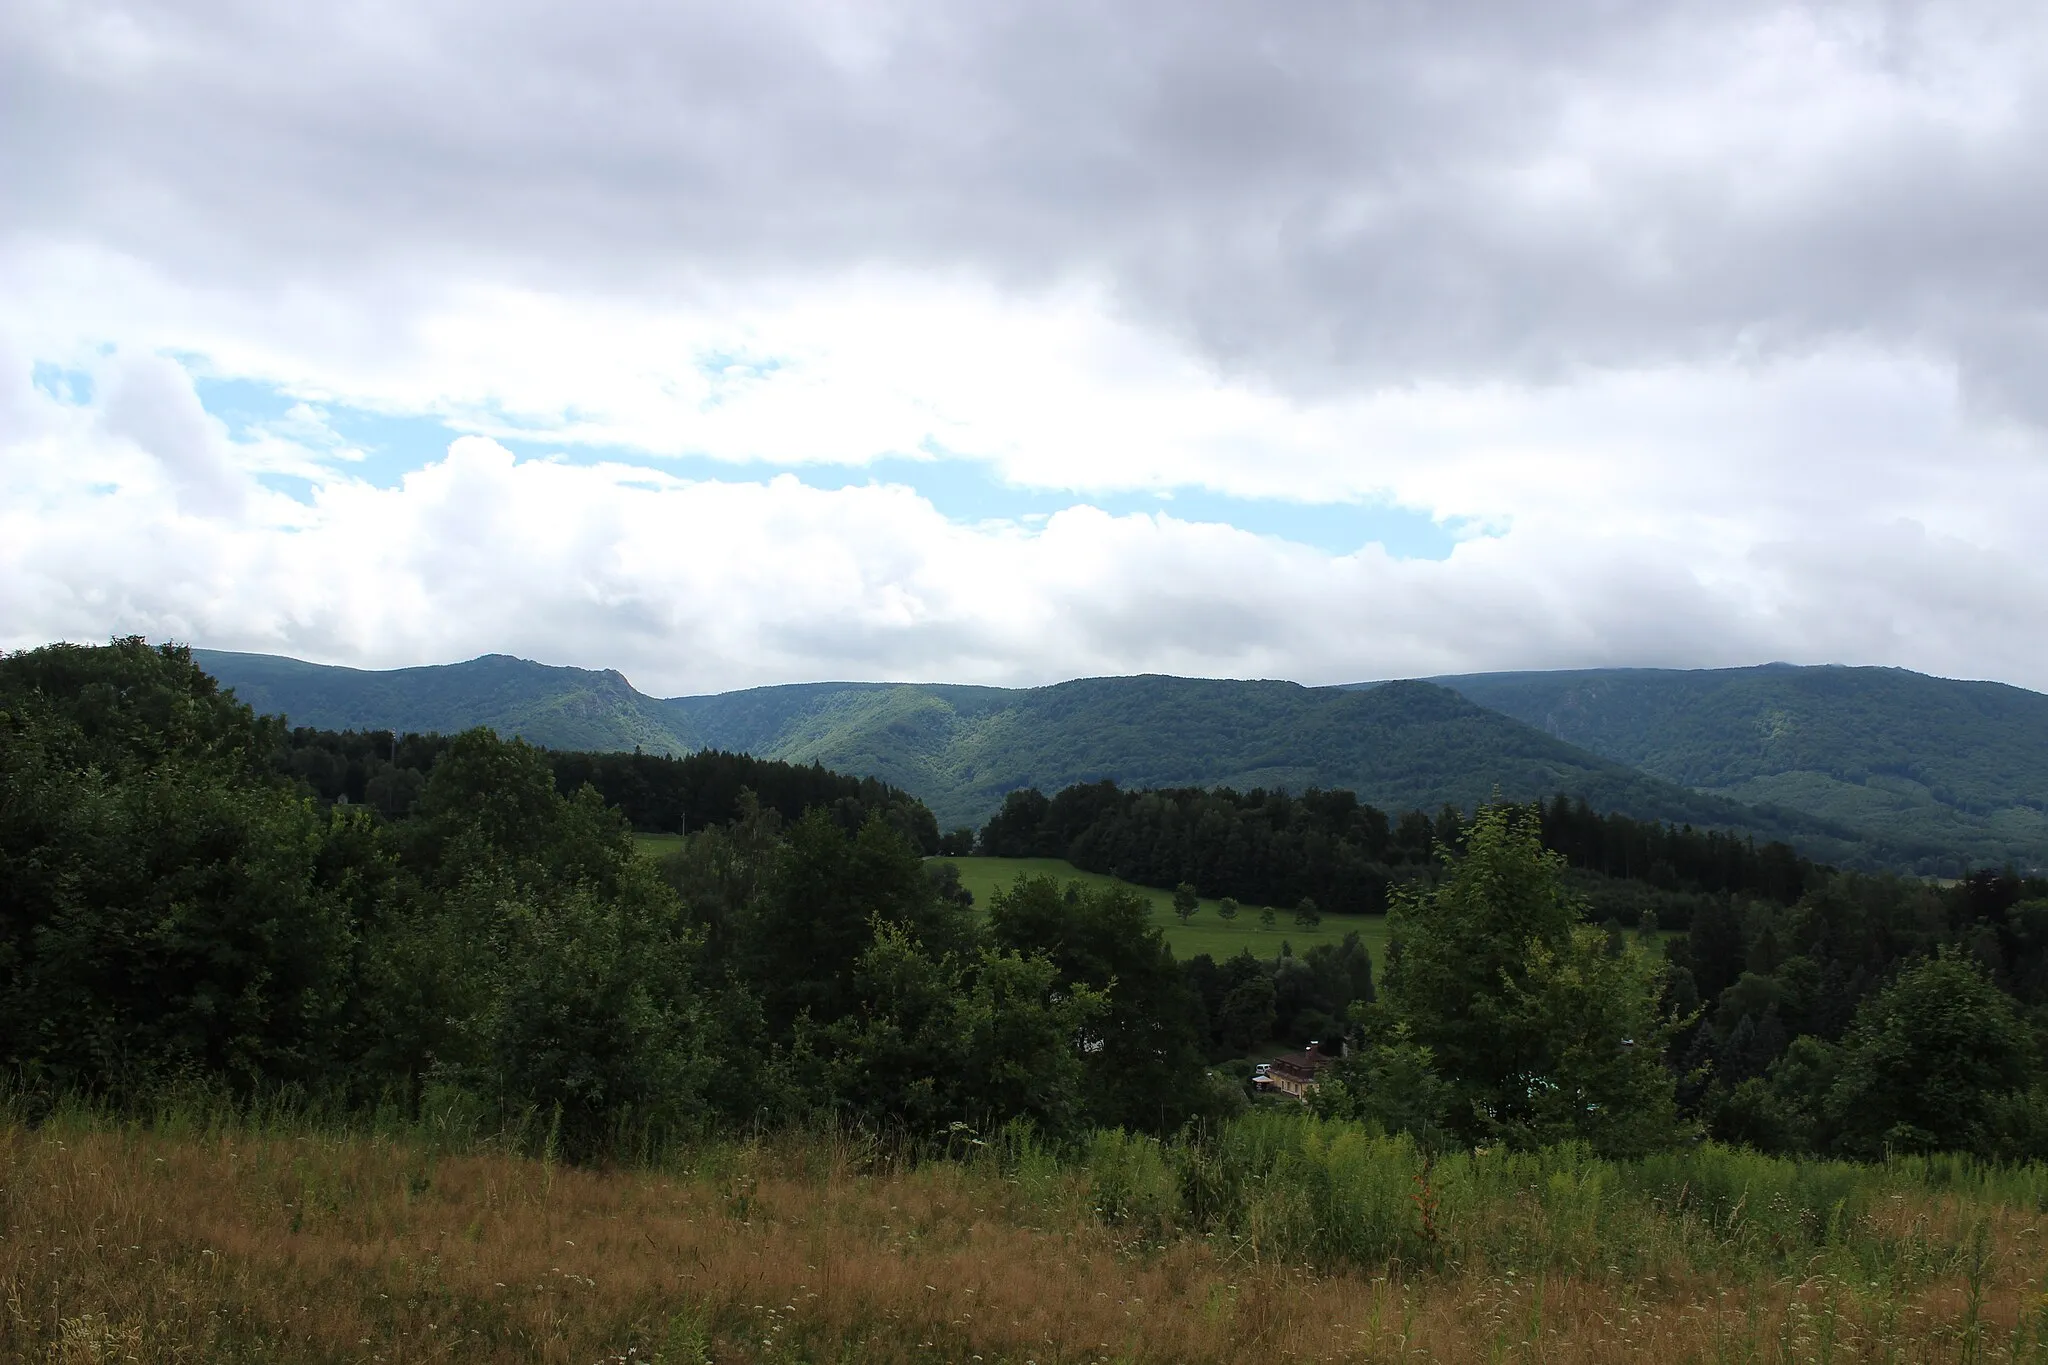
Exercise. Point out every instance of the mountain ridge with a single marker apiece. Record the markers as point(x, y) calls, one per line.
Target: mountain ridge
point(1865, 765)
point(1958, 763)
point(961, 747)
point(558, 706)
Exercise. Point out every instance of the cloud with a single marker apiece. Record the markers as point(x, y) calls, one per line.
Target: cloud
point(1388, 192)
point(151, 403)
point(1722, 320)
point(693, 586)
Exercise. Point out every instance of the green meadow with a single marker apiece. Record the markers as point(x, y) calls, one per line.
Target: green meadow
point(655, 845)
point(1208, 932)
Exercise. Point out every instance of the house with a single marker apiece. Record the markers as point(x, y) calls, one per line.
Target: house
point(1292, 1073)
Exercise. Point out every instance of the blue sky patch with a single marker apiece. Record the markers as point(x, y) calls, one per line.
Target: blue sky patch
point(66, 386)
point(391, 447)
point(963, 490)
point(970, 490)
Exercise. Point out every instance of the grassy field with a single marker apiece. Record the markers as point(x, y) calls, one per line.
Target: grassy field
point(654, 845)
point(1207, 932)
point(237, 1243)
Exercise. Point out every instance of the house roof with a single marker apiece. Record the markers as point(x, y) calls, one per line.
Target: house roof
point(1301, 1065)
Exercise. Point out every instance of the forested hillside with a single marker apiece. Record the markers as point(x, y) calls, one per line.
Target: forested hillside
point(558, 708)
point(1403, 746)
point(960, 749)
point(1939, 769)
point(1860, 767)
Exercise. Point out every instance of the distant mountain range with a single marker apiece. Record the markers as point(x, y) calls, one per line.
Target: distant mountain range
point(1928, 766)
point(1871, 766)
point(561, 708)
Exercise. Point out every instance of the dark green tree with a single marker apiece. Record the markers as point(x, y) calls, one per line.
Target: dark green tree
point(948, 1040)
point(1248, 1014)
point(1185, 902)
point(1925, 1061)
point(1392, 1082)
point(807, 932)
point(167, 905)
point(1145, 1058)
point(1541, 1033)
point(594, 1019)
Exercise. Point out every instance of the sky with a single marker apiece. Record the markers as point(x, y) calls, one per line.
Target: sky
point(730, 344)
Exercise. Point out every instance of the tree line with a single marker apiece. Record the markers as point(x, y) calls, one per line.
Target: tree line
point(1277, 848)
point(657, 793)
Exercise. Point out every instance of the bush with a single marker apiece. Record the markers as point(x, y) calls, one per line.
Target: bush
point(1927, 1060)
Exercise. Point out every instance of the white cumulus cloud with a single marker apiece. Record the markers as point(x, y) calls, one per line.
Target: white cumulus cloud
point(702, 585)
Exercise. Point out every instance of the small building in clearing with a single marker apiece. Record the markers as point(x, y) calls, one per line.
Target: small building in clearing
point(1293, 1073)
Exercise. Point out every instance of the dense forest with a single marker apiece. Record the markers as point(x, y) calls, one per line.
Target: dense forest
point(655, 792)
point(187, 899)
point(177, 906)
point(1275, 848)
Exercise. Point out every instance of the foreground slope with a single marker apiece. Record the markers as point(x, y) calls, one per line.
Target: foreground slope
point(1934, 766)
point(247, 1243)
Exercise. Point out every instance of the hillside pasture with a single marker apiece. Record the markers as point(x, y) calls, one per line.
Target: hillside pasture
point(656, 845)
point(1208, 932)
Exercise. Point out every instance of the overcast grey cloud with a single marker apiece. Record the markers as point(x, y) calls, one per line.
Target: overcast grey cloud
point(1726, 324)
point(1329, 192)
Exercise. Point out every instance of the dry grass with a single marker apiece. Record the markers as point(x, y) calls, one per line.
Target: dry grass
point(120, 1245)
